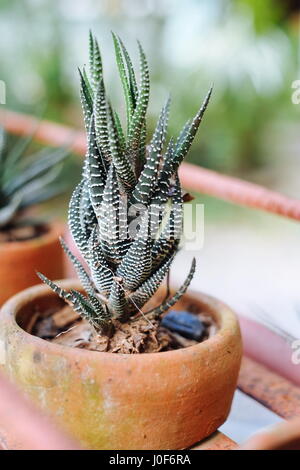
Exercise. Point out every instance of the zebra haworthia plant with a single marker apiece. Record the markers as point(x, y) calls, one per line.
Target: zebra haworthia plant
point(126, 266)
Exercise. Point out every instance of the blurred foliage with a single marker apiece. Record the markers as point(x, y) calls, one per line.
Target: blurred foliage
point(265, 13)
point(247, 48)
point(32, 178)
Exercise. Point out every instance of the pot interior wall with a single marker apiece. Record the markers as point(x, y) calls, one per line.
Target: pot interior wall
point(44, 305)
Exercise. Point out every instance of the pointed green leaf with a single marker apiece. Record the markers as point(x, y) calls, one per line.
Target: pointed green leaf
point(188, 134)
point(97, 65)
point(172, 301)
point(147, 180)
point(136, 264)
point(111, 242)
point(81, 272)
point(120, 160)
point(76, 225)
point(149, 286)
point(131, 74)
point(102, 274)
point(117, 300)
point(96, 169)
point(86, 100)
point(124, 79)
point(101, 124)
point(138, 118)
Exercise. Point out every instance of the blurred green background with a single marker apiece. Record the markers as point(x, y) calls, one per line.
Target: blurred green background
point(246, 48)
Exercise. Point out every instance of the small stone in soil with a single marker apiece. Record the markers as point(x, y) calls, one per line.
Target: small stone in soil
point(184, 323)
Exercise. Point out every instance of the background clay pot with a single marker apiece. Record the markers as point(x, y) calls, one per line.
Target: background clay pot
point(166, 400)
point(269, 348)
point(19, 261)
point(282, 436)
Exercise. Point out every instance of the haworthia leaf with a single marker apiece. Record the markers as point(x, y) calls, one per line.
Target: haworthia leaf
point(111, 242)
point(121, 163)
point(119, 131)
point(96, 169)
point(73, 298)
point(101, 124)
point(82, 274)
point(116, 299)
point(91, 52)
point(172, 301)
point(92, 309)
point(136, 264)
point(62, 293)
point(125, 271)
point(88, 85)
point(150, 286)
point(77, 228)
point(146, 183)
point(101, 273)
point(169, 239)
point(138, 119)
point(187, 136)
point(131, 74)
point(161, 192)
point(124, 79)
point(97, 65)
point(86, 101)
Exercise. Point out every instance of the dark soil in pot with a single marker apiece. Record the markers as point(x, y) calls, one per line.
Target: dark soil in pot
point(142, 334)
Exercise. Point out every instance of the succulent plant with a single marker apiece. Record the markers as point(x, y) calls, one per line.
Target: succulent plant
point(26, 180)
point(127, 256)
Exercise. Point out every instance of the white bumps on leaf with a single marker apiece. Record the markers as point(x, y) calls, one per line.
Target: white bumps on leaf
point(125, 270)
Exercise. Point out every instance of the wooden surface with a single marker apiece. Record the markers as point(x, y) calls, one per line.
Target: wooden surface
point(269, 389)
point(216, 441)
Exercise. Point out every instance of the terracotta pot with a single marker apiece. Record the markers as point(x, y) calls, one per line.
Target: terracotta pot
point(166, 400)
point(19, 261)
point(270, 349)
point(282, 436)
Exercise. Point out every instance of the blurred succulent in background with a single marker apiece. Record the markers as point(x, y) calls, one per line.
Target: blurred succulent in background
point(123, 177)
point(26, 179)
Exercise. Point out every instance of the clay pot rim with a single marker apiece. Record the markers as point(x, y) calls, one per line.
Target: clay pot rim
point(55, 229)
point(223, 314)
